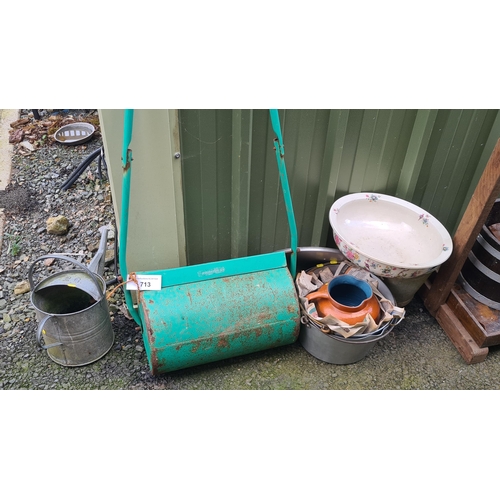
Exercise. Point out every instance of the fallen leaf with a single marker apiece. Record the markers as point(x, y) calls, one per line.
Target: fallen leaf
point(18, 123)
point(16, 136)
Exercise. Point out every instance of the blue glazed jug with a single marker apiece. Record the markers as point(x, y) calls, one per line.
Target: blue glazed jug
point(346, 298)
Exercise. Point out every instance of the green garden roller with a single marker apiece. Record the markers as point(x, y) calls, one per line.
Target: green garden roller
point(209, 312)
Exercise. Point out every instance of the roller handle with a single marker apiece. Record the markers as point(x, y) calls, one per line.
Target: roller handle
point(280, 158)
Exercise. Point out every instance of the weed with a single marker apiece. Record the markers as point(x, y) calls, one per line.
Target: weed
point(14, 246)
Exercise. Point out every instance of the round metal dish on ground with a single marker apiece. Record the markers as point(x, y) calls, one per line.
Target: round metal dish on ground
point(330, 347)
point(75, 133)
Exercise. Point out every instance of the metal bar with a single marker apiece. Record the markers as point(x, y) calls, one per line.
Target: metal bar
point(126, 163)
point(280, 158)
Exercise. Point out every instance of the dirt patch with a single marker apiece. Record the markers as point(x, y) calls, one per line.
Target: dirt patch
point(17, 199)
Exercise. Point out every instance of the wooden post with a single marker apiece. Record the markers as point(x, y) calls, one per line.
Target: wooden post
point(472, 221)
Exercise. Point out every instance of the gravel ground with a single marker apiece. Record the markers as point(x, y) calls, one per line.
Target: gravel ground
point(416, 355)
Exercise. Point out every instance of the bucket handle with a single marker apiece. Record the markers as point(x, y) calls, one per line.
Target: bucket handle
point(68, 259)
point(39, 334)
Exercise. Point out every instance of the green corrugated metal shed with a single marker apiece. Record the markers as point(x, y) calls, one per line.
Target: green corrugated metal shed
point(232, 201)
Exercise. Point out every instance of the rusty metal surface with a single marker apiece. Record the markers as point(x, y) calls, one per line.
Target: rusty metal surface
point(196, 323)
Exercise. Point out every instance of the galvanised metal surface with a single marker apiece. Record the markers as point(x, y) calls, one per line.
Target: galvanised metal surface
point(210, 312)
point(73, 314)
point(233, 204)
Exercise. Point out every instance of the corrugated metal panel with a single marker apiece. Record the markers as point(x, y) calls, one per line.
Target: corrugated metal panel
point(233, 201)
point(206, 168)
point(450, 162)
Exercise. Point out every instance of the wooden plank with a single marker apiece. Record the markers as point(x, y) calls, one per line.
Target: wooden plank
point(424, 290)
point(482, 322)
point(466, 317)
point(473, 219)
point(465, 344)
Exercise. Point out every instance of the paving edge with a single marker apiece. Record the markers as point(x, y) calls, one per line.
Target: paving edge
point(7, 116)
point(2, 225)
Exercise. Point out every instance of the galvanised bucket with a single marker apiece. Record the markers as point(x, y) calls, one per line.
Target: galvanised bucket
point(329, 347)
point(73, 315)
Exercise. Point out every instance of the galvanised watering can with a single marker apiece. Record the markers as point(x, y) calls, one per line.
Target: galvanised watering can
point(72, 310)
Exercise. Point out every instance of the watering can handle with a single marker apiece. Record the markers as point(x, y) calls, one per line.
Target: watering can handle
point(62, 257)
point(96, 265)
point(39, 334)
point(122, 246)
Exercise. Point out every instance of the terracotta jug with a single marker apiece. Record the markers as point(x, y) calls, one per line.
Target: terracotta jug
point(346, 298)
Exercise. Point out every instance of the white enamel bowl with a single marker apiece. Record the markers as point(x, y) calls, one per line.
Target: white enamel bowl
point(390, 237)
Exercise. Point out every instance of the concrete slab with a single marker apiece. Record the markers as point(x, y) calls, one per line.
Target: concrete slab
point(7, 116)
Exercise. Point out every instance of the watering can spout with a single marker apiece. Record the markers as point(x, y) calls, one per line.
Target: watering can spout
point(97, 263)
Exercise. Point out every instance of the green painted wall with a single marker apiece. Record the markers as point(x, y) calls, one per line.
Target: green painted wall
point(156, 221)
point(222, 198)
point(232, 198)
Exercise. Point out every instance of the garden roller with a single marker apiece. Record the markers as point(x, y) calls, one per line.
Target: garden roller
point(213, 311)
